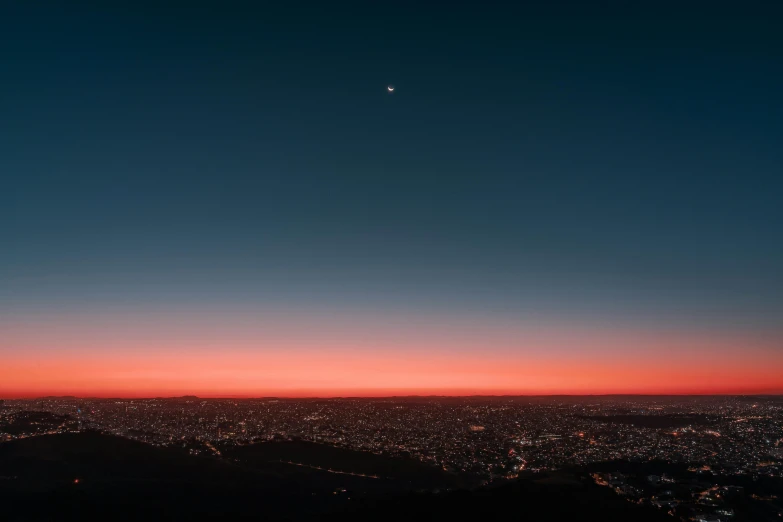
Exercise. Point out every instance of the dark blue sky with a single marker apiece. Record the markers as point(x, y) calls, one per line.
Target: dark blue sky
point(619, 163)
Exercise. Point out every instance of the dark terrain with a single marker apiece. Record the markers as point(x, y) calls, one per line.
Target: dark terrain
point(91, 476)
point(298, 458)
point(33, 422)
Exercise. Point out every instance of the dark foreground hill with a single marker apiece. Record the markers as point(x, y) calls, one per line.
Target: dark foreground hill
point(94, 459)
point(38, 422)
point(89, 476)
point(544, 500)
point(361, 469)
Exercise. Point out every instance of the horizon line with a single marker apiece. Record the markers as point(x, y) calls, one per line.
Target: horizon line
point(411, 396)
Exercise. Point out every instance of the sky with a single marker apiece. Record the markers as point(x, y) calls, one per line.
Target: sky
point(224, 199)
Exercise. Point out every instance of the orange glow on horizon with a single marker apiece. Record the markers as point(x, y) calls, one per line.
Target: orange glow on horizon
point(321, 375)
point(221, 356)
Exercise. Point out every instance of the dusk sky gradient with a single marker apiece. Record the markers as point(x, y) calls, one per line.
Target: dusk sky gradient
point(223, 199)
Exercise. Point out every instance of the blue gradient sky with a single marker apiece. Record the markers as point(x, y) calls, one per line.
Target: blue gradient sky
point(616, 169)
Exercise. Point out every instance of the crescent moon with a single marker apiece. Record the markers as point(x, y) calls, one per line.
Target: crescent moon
point(391, 88)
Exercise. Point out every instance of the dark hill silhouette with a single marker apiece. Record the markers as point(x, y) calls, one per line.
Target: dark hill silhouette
point(93, 457)
point(552, 500)
point(296, 457)
point(91, 476)
point(34, 422)
point(121, 479)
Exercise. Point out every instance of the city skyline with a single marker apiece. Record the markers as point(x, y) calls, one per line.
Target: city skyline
point(705, 459)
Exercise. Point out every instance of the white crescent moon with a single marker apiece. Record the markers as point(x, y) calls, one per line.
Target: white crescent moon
point(391, 88)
